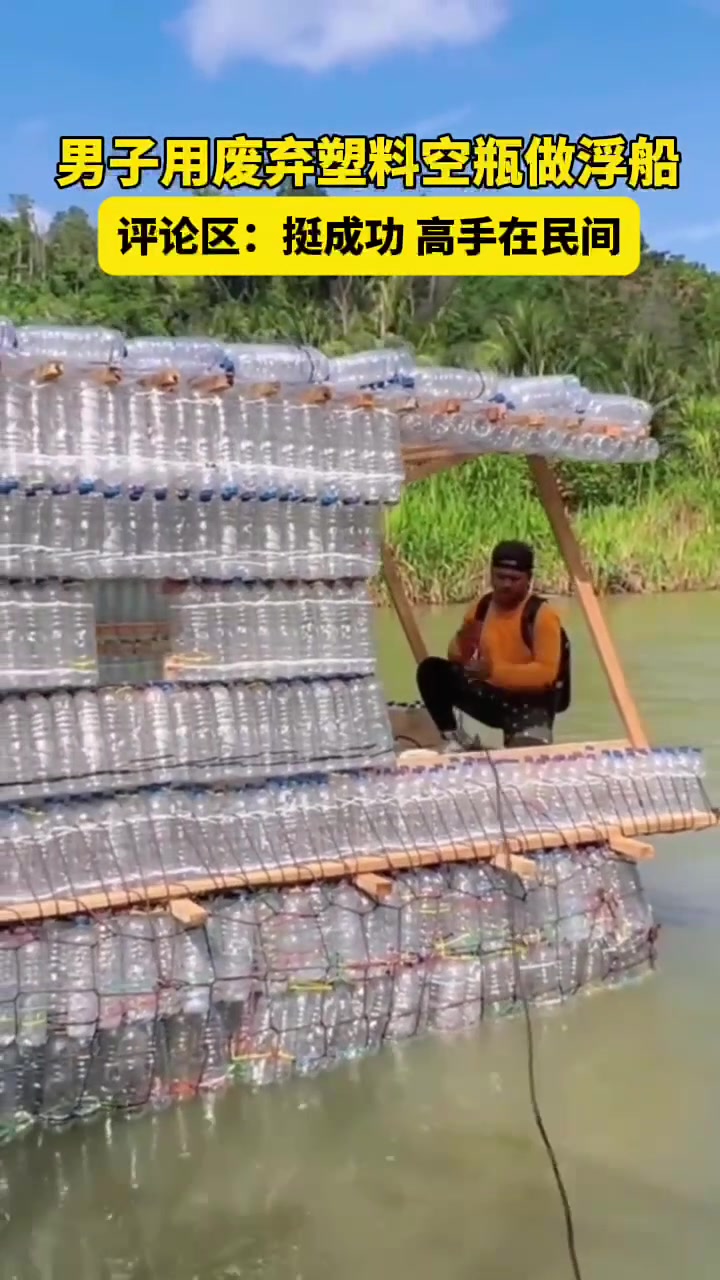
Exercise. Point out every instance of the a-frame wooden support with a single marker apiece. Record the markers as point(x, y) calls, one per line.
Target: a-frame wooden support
point(432, 461)
point(549, 493)
point(401, 604)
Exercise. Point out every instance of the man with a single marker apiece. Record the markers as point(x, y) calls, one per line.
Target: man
point(507, 666)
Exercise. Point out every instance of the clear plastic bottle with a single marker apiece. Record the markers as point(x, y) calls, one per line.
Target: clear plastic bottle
point(34, 991)
point(371, 368)
point(463, 384)
point(232, 938)
point(191, 353)
point(13, 1117)
point(10, 946)
point(425, 917)
point(277, 362)
point(630, 414)
point(369, 1016)
point(290, 938)
point(140, 974)
point(134, 1067)
point(85, 344)
point(456, 994)
point(71, 972)
point(109, 974)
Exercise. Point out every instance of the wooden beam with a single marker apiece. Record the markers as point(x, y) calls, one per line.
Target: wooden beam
point(377, 864)
point(636, 850)
point(374, 886)
point(427, 756)
point(551, 498)
point(514, 864)
point(185, 911)
point(402, 605)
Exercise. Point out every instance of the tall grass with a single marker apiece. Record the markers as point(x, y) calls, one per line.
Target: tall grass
point(651, 538)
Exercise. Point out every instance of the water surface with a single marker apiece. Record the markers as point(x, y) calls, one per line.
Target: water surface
point(424, 1162)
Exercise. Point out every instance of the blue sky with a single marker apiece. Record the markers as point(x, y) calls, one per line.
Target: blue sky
point(267, 67)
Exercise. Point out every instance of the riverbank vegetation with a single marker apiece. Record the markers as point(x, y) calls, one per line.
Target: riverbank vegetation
point(655, 335)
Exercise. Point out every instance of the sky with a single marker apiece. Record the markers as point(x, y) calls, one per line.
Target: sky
point(269, 67)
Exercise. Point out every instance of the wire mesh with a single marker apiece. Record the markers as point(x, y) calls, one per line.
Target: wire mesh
point(130, 1011)
point(159, 840)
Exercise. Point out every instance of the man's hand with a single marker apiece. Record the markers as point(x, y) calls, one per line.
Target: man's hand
point(462, 644)
point(479, 668)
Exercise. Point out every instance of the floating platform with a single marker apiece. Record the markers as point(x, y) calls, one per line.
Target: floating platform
point(221, 862)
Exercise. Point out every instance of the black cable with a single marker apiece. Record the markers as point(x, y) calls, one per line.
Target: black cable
point(530, 1041)
point(540, 1125)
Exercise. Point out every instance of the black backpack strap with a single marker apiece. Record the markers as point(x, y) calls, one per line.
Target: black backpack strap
point(533, 605)
point(483, 606)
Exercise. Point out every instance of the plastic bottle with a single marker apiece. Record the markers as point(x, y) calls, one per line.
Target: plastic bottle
point(370, 1012)
point(139, 963)
point(633, 416)
point(290, 938)
point(371, 368)
point(75, 343)
point(10, 944)
point(13, 1117)
point(271, 362)
point(232, 938)
point(21, 870)
point(410, 1002)
point(456, 993)
point(463, 384)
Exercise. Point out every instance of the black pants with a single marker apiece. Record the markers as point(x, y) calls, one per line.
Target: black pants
point(525, 719)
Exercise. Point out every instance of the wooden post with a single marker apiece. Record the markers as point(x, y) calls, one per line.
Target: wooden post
point(551, 498)
point(402, 605)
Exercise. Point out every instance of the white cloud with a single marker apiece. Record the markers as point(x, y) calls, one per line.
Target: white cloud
point(317, 35)
point(41, 218)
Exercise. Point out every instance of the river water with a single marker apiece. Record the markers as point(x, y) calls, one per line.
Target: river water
point(426, 1162)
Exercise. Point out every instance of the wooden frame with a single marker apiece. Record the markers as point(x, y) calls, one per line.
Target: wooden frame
point(421, 462)
point(508, 855)
point(370, 871)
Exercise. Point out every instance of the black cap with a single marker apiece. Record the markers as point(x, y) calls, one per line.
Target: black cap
point(513, 555)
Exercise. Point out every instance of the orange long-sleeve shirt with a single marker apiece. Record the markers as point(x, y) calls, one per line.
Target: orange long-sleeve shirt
point(512, 666)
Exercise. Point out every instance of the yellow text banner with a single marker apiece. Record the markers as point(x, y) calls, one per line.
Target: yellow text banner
point(365, 236)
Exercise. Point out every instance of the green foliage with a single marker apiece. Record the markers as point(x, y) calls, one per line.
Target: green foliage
point(654, 334)
point(445, 527)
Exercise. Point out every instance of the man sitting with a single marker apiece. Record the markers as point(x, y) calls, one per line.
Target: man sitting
point(508, 665)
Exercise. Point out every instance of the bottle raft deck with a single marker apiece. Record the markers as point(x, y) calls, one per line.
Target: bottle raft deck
point(221, 854)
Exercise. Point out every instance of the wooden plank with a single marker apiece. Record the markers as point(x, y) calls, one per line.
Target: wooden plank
point(337, 869)
point(402, 605)
point(551, 498)
point(187, 912)
point(636, 850)
point(426, 756)
point(523, 868)
point(373, 885)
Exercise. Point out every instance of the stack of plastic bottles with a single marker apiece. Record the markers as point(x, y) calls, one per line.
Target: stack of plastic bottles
point(127, 466)
point(191, 829)
point(131, 1011)
point(153, 444)
point(551, 416)
point(232, 498)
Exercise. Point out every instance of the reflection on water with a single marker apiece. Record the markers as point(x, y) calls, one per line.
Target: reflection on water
point(425, 1161)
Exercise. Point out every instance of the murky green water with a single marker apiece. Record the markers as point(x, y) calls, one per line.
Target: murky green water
point(426, 1163)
